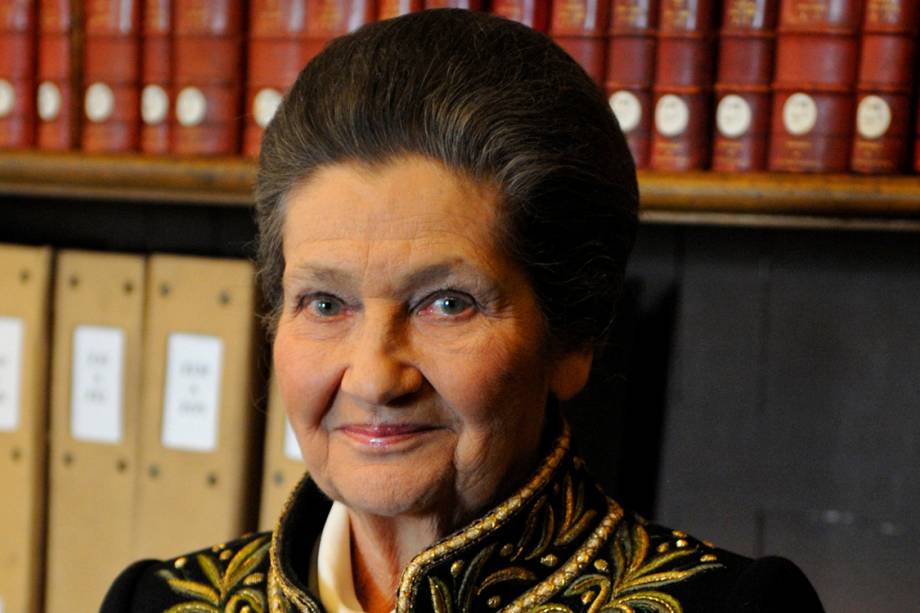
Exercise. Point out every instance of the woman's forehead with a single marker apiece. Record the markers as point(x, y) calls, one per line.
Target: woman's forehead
point(411, 213)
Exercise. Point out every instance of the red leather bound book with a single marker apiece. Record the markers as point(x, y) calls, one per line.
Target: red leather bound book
point(817, 44)
point(533, 13)
point(17, 70)
point(580, 27)
point(327, 19)
point(472, 5)
point(631, 72)
point(883, 86)
point(207, 77)
point(743, 77)
point(58, 76)
point(156, 75)
point(111, 76)
point(395, 8)
point(278, 49)
point(684, 65)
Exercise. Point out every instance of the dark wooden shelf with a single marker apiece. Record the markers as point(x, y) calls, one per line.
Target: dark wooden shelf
point(760, 199)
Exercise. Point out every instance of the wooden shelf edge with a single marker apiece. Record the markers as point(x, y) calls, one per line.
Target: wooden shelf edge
point(692, 196)
point(787, 194)
point(215, 181)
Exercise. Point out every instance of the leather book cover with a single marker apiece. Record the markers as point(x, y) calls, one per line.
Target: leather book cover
point(327, 19)
point(200, 428)
point(95, 405)
point(533, 13)
point(17, 73)
point(57, 99)
point(387, 9)
point(111, 76)
point(817, 46)
point(580, 27)
point(156, 76)
point(631, 71)
point(207, 77)
point(277, 51)
point(25, 281)
point(883, 86)
point(743, 76)
point(684, 66)
point(471, 5)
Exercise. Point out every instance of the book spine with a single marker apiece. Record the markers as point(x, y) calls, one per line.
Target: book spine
point(883, 86)
point(277, 52)
point(533, 13)
point(631, 72)
point(57, 102)
point(580, 28)
point(156, 76)
point(17, 73)
point(111, 76)
point(207, 47)
point(327, 19)
point(394, 8)
point(743, 75)
point(471, 5)
point(684, 67)
point(817, 45)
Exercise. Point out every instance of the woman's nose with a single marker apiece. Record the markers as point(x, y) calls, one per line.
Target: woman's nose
point(379, 371)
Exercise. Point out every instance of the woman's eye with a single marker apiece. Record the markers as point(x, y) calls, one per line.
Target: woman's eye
point(324, 306)
point(448, 305)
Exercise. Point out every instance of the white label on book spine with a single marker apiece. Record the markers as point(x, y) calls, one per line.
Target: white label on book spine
point(800, 114)
point(7, 97)
point(671, 115)
point(49, 101)
point(733, 116)
point(873, 117)
point(99, 102)
point(97, 384)
point(12, 332)
point(154, 105)
point(192, 395)
point(264, 105)
point(627, 108)
point(291, 447)
point(191, 106)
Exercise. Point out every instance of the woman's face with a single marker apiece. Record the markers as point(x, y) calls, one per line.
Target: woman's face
point(410, 352)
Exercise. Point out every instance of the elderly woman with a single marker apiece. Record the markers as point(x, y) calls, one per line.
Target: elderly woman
point(446, 205)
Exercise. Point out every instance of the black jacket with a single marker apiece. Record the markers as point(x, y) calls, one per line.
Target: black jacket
point(558, 545)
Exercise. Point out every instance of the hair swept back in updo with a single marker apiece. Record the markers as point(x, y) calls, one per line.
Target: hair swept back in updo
point(495, 101)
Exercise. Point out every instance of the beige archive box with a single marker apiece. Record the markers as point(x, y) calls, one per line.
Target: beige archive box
point(283, 465)
point(95, 406)
point(25, 277)
point(200, 431)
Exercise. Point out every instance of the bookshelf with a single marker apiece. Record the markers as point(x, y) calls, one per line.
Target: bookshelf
point(692, 198)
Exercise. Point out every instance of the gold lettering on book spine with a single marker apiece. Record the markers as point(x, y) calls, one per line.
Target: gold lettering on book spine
point(887, 12)
point(743, 13)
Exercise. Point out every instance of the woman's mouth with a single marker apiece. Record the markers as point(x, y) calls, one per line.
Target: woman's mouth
point(384, 435)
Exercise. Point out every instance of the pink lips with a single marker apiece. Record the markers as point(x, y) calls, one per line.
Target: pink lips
point(384, 434)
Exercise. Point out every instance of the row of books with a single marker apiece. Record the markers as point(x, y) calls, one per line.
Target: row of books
point(150, 440)
point(735, 85)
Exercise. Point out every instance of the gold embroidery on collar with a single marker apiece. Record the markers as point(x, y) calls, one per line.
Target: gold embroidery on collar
point(281, 591)
point(411, 576)
point(630, 584)
point(226, 589)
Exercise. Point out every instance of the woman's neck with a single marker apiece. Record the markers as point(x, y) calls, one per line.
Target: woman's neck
point(380, 548)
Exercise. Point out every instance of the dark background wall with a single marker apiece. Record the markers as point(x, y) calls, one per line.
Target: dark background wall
point(762, 390)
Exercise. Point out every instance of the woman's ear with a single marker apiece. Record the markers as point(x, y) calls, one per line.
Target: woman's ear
point(569, 374)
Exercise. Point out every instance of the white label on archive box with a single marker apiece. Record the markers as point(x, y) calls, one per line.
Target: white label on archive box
point(97, 384)
point(291, 447)
point(12, 331)
point(191, 400)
